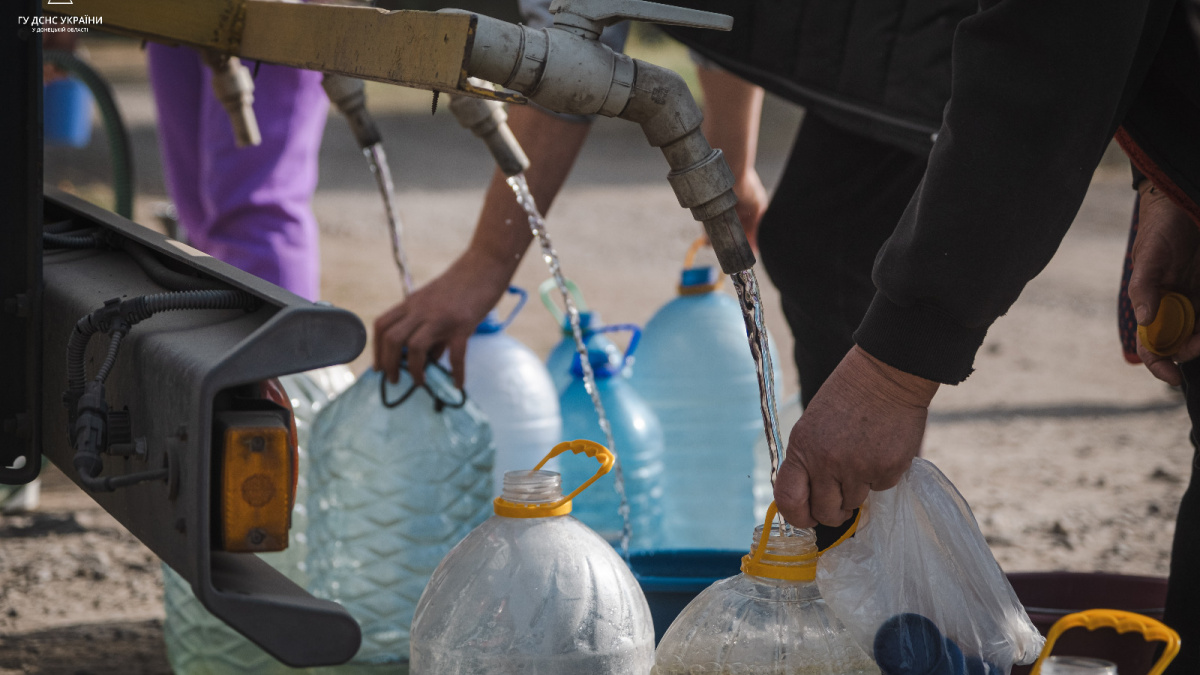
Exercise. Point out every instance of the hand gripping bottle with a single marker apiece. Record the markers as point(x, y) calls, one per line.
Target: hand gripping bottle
point(198, 643)
point(533, 591)
point(639, 448)
point(512, 387)
point(399, 474)
point(559, 361)
point(768, 620)
point(696, 373)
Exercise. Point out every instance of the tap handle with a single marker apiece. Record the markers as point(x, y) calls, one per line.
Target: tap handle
point(602, 13)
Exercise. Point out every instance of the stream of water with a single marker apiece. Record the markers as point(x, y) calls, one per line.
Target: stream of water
point(746, 286)
point(383, 178)
point(538, 225)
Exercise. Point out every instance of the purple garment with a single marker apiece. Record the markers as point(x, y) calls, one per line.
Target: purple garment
point(250, 207)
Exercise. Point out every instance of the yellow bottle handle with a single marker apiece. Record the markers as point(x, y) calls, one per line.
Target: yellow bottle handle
point(801, 567)
point(1122, 622)
point(689, 260)
point(561, 507)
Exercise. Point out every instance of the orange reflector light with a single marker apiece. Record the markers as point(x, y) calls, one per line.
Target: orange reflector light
point(256, 486)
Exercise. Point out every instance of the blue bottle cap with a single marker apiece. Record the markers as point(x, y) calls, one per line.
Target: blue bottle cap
point(586, 321)
point(602, 366)
point(490, 324)
point(697, 276)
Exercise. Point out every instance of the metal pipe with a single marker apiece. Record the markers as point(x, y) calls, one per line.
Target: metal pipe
point(489, 121)
point(567, 72)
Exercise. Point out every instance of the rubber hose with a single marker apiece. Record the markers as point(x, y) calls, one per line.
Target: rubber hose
point(74, 241)
point(165, 276)
point(114, 127)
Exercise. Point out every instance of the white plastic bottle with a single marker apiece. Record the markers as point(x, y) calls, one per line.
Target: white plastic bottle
point(533, 591)
point(511, 385)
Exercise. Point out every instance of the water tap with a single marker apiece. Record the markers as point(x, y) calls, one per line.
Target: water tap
point(488, 120)
point(349, 95)
point(565, 68)
point(234, 88)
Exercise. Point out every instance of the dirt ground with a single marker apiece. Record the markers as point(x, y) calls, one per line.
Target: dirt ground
point(1071, 459)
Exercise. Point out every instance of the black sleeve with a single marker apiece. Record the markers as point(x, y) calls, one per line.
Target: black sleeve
point(1038, 90)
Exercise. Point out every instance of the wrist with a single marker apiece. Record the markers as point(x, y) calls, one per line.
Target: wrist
point(880, 380)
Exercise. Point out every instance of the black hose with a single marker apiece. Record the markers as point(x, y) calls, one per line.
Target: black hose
point(74, 241)
point(114, 127)
point(86, 404)
point(165, 276)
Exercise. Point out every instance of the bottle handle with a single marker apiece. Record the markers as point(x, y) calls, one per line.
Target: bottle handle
point(548, 286)
point(439, 403)
point(560, 507)
point(1122, 622)
point(522, 296)
point(801, 567)
point(635, 337)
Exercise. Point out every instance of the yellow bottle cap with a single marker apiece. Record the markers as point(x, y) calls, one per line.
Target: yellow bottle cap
point(1172, 326)
point(560, 507)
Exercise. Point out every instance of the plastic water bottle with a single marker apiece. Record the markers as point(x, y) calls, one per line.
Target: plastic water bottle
point(534, 591)
point(788, 412)
point(512, 387)
point(399, 474)
point(559, 361)
point(696, 373)
point(768, 619)
point(639, 446)
point(199, 643)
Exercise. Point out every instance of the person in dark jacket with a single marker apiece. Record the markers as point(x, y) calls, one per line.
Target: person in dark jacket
point(1039, 89)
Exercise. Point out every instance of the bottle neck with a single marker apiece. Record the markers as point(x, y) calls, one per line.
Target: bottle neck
point(790, 555)
point(532, 487)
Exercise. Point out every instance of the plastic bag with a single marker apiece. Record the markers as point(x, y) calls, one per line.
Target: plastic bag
point(918, 586)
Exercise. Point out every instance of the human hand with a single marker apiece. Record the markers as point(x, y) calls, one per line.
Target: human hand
point(1166, 257)
point(859, 433)
point(752, 204)
point(441, 315)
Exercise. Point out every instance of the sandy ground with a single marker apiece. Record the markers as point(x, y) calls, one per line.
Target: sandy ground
point(1072, 459)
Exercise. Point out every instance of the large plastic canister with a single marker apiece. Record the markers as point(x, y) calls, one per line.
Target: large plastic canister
point(399, 474)
point(639, 449)
point(534, 591)
point(768, 619)
point(511, 385)
point(199, 643)
point(559, 361)
point(696, 373)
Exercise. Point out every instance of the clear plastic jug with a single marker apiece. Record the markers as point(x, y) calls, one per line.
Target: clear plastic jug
point(199, 643)
point(639, 446)
point(533, 591)
point(768, 620)
point(695, 371)
point(512, 387)
point(399, 474)
point(559, 361)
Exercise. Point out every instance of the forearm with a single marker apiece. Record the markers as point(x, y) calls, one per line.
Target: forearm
point(502, 232)
point(1039, 90)
point(732, 109)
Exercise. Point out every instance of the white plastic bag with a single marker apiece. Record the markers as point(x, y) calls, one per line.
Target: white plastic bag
point(919, 588)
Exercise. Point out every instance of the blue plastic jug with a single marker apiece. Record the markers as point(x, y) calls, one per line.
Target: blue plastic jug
point(398, 475)
point(696, 373)
point(67, 112)
point(199, 643)
point(639, 449)
point(559, 361)
point(511, 385)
